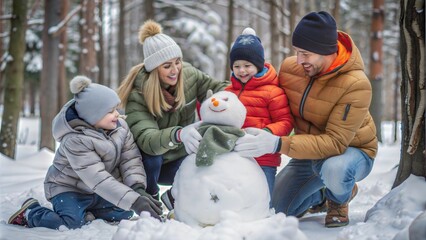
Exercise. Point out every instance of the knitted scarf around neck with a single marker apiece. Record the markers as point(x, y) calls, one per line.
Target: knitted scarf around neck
point(169, 97)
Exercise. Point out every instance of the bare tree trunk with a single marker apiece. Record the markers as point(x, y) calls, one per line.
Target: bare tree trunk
point(412, 27)
point(149, 9)
point(335, 11)
point(109, 46)
point(14, 76)
point(121, 42)
point(101, 53)
point(89, 31)
point(34, 86)
point(293, 10)
point(275, 34)
point(63, 88)
point(286, 31)
point(1, 53)
point(376, 63)
point(397, 83)
point(230, 37)
point(49, 74)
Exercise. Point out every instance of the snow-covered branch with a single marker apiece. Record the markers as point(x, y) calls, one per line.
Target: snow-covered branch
point(6, 17)
point(182, 7)
point(56, 30)
point(248, 8)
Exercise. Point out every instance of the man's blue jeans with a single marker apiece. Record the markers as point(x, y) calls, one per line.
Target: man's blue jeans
point(159, 173)
point(298, 186)
point(70, 208)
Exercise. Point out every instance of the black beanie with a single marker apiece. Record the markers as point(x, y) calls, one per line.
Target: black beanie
point(317, 33)
point(248, 47)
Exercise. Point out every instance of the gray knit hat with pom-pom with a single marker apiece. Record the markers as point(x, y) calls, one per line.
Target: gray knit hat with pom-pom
point(92, 101)
point(157, 46)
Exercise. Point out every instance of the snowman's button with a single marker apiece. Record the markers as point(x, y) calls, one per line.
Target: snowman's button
point(171, 144)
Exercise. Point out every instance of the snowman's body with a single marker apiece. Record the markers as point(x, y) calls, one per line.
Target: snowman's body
point(231, 185)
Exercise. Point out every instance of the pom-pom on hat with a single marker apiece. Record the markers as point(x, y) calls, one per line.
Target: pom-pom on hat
point(316, 32)
point(157, 46)
point(248, 47)
point(92, 101)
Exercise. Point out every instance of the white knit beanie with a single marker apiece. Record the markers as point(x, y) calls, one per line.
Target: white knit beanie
point(157, 47)
point(92, 101)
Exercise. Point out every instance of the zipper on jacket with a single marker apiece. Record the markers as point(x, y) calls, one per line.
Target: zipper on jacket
point(242, 89)
point(347, 108)
point(305, 95)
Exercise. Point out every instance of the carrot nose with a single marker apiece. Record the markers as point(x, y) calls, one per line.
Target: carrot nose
point(215, 102)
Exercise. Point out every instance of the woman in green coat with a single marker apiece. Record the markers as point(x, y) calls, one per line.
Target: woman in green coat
point(160, 97)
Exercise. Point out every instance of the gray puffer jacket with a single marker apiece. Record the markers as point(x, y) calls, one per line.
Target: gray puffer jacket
point(90, 160)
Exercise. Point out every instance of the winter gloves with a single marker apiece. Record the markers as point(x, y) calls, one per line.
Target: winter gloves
point(190, 137)
point(257, 142)
point(145, 202)
point(217, 139)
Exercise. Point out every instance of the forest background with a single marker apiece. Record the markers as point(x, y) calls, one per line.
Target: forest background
point(46, 43)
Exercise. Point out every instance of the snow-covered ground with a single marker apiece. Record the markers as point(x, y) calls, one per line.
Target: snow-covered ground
point(24, 177)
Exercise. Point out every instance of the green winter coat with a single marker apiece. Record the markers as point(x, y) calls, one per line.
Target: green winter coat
point(156, 136)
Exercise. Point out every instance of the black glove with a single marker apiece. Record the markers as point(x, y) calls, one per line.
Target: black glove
point(150, 204)
point(143, 203)
point(140, 188)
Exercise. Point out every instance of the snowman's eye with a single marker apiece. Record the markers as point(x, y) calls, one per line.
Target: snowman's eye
point(225, 99)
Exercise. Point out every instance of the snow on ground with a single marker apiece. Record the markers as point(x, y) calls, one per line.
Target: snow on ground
point(24, 177)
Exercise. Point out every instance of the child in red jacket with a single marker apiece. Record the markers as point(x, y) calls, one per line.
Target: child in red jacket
point(255, 82)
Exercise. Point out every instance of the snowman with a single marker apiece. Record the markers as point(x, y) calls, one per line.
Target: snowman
point(216, 183)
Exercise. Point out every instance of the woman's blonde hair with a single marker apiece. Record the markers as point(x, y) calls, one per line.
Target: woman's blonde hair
point(126, 85)
point(151, 91)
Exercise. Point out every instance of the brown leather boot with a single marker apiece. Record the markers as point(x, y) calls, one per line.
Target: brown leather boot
point(338, 214)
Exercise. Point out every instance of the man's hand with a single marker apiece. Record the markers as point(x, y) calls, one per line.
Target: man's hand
point(256, 142)
point(190, 137)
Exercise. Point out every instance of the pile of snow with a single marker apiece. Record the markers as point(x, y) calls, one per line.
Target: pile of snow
point(277, 227)
point(394, 212)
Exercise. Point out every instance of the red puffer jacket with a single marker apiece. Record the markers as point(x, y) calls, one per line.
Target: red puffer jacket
point(267, 107)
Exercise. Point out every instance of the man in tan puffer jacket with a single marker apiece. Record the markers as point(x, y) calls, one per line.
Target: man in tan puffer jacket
point(335, 142)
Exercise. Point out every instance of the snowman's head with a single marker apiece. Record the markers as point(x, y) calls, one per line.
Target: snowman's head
point(223, 108)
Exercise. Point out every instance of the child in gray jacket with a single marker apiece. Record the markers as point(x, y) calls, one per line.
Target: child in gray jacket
point(97, 172)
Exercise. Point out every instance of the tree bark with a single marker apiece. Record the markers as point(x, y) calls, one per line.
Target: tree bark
point(14, 76)
point(49, 74)
point(149, 9)
point(275, 34)
point(1, 53)
point(63, 89)
point(121, 42)
point(101, 52)
point(230, 36)
point(89, 31)
point(292, 21)
point(336, 12)
point(376, 63)
point(412, 32)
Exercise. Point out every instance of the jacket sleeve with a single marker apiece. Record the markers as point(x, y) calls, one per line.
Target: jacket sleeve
point(345, 119)
point(279, 110)
point(91, 170)
point(148, 136)
point(131, 166)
